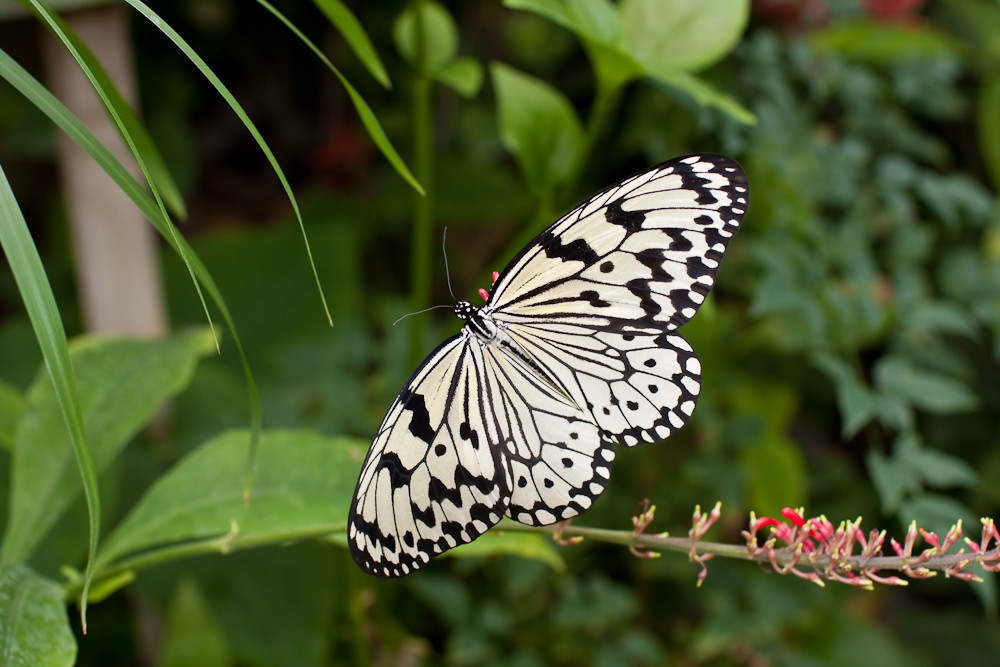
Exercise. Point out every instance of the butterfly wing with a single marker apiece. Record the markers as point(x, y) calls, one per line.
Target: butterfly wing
point(472, 431)
point(559, 463)
point(595, 298)
point(642, 253)
point(529, 430)
point(433, 478)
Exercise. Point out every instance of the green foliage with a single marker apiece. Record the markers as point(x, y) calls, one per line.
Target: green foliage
point(539, 126)
point(850, 349)
point(33, 618)
point(193, 637)
point(121, 384)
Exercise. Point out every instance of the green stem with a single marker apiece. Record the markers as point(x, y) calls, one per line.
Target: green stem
point(223, 544)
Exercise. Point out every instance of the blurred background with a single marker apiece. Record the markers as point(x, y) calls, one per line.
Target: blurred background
point(850, 348)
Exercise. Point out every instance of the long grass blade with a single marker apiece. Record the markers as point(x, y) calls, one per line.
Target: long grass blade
point(29, 274)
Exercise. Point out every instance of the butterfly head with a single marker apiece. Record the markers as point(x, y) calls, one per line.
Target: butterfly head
point(477, 320)
point(464, 310)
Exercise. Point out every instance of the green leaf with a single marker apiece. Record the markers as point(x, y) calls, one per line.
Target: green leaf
point(121, 383)
point(348, 25)
point(11, 409)
point(681, 35)
point(612, 67)
point(439, 39)
point(936, 468)
point(854, 398)
point(940, 316)
point(597, 20)
point(893, 412)
point(704, 94)
point(538, 125)
point(463, 74)
point(526, 545)
point(892, 482)
point(193, 637)
point(883, 42)
point(36, 630)
point(925, 389)
point(304, 485)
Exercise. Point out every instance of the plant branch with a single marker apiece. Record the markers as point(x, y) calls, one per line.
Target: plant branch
point(811, 549)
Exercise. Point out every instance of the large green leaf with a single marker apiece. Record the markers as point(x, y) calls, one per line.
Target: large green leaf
point(303, 487)
point(664, 41)
point(34, 628)
point(538, 125)
point(684, 35)
point(121, 383)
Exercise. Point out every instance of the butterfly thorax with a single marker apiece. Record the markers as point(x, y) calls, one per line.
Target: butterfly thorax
point(478, 320)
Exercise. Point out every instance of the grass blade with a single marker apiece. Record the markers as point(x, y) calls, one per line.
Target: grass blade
point(29, 274)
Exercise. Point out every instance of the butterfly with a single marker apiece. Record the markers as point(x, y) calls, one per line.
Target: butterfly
point(574, 354)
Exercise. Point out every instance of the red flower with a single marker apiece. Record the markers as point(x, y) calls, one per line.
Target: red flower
point(892, 10)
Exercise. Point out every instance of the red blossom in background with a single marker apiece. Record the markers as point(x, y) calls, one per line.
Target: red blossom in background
point(344, 153)
point(793, 15)
point(893, 10)
point(805, 15)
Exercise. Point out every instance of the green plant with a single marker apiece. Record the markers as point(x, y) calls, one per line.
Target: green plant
point(849, 351)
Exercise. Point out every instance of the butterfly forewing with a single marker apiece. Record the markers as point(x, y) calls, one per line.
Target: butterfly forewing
point(574, 354)
point(643, 252)
point(434, 477)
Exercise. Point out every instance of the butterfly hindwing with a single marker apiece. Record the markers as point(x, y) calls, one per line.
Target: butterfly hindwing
point(636, 386)
point(559, 463)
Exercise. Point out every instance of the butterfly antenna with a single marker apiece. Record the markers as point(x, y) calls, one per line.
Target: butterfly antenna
point(444, 251)
point(441, 305)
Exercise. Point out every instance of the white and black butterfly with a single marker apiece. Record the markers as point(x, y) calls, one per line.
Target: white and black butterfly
point(574, 353)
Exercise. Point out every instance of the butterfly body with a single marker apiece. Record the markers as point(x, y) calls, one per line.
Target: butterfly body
point(574, 354)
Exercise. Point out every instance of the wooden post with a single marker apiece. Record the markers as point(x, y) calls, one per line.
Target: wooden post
point(114, 247)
